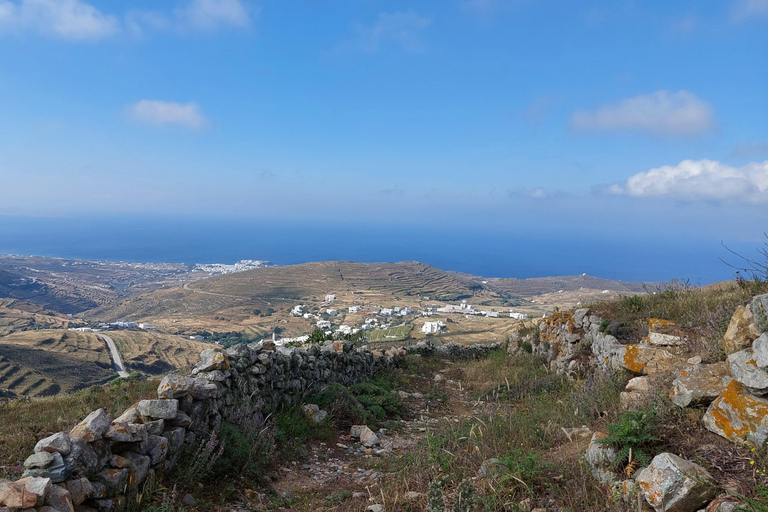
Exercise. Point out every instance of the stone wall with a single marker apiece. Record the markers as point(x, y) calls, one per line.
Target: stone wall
point(103, 461)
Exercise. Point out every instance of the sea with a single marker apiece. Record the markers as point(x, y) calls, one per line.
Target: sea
point(489, 252)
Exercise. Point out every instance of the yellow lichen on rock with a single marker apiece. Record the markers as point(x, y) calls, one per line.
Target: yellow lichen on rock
point(738, 416)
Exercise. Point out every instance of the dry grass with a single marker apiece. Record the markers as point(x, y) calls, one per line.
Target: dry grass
point(50, 361)
point(24, 422)
point(16, 315)
point(156, 353)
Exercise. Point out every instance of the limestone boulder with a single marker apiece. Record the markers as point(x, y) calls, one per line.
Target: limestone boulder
point(664, 340)
point(741, 332)
point(738, 416)
point(673, 484)
point(699, 384)
point(80, 489)
point(638, 358)
point(86, 459)
point(126, 432)
point(93, 426)
point(113, 480)
point(744, 369)
point(40, 460)
point(313, 413)
point(760, 351)
point(638, 385)
point(57, 471)
point(58, 442)
point(60, 499)
point(14, 496)
point(174, 386)
point(578, 317)
point(203, 389)
point(211, 359)
point(139, 468)
point(368, 438)
point(40, 487)
point(759, 307)
point(157, 448)
point(130, 415)
point(600, 457)
point(159, 409)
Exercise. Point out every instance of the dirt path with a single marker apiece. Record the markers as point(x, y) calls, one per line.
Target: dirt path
point(344, 465)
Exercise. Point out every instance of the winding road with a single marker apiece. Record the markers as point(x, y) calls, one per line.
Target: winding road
point(116, 361)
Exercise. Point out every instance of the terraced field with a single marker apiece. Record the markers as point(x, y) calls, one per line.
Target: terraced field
point(16, 315)
point(51, 361)
point(155, 353)
point(314, 280)
point(234, 295)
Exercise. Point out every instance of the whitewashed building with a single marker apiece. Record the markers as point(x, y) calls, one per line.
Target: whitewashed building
point(432, 327)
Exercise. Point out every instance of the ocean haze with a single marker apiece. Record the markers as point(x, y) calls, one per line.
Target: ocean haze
point(486, 252)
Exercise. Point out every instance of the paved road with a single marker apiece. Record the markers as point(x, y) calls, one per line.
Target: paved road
point(115, 355)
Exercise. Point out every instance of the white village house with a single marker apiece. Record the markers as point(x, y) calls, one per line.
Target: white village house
point(432, 327)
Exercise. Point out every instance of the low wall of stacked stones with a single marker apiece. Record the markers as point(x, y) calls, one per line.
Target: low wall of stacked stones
point(103, 461)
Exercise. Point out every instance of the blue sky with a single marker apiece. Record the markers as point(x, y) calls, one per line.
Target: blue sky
point(642, 119)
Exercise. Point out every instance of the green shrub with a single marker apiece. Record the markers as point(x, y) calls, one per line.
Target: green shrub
point(633, 304)
point(236, 453)
point(631, 436)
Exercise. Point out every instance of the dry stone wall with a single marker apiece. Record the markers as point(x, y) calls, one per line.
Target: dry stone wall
point(102, 462)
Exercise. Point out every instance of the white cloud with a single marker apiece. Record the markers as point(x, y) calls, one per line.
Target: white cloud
point(659, 113)
point(209, 15)
point(401, 29)
point(700, 180)
point(80, 21)
point(67, 19)
point(161, 113)
point(745, 10)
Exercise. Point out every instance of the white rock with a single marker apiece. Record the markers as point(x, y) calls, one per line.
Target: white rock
point(639, 385)
point(368, 438)
point(672, 484)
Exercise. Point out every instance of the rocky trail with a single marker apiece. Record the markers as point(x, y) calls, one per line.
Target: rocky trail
point(345, 467)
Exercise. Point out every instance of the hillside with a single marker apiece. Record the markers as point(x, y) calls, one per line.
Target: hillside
point(311, 281)
point(233, 295)
point(51, 361)
point(155, 353)
point(531, 287)
point(16, 315)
